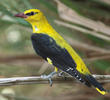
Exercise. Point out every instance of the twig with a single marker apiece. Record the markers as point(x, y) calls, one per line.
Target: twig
point(105, 1)
point(102, 77)
point(40, 80)
point(30, 80)
point(85, 31)
point(22, 60)
point(99, 58)
point(72, 16)
point(86, 46)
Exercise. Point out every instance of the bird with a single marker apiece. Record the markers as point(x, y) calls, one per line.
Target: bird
point(52, 47)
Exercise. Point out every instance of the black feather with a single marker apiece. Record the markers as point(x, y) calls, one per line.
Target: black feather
point(94, 82)
point(45, 46)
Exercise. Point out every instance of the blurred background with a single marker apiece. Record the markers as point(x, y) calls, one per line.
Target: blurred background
point(85, 24)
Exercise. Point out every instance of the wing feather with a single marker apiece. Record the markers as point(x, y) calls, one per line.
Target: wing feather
point(46, 47)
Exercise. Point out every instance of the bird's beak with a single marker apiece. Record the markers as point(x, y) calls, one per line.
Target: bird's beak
point(21, 15)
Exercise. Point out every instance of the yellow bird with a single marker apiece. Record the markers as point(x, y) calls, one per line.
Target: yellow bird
point(53, 48)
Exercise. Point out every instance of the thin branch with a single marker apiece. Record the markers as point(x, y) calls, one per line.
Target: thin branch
point(96, 54)
point(29, 80)
point(20, 57)
point(72, 16)
point(101, 77)
point(105, 1)
point(86, 46)
point(99, 58)
point(85, 31)
point(22, 60)
point(40, 80)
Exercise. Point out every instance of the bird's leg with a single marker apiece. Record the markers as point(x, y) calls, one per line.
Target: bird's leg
point(49, 77)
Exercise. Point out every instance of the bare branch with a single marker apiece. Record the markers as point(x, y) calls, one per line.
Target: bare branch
point(86, 46)
point(98, 58)
point(101, 77)
point(84, 31)
point(105, 1)
point(40, 80)
point(72, 16)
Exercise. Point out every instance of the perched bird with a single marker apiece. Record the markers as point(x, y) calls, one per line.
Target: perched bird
point(53, 48)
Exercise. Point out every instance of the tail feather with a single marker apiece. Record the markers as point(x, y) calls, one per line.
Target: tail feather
point(102, 92)
point(96, 84)
point(86, 79)
point(89, 81)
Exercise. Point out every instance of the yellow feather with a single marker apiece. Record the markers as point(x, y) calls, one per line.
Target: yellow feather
point(56, 69)
point(102, 92)
point(49, 61)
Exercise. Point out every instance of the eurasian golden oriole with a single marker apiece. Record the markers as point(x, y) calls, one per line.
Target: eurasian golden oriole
point(53, 48)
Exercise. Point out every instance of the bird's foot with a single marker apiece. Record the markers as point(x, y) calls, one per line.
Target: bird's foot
point(62, 74)
point(49, 77)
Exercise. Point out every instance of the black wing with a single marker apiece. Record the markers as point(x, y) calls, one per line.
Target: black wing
point(46, 47)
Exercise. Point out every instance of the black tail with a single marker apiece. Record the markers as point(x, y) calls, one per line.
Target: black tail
point(96, 84)
point(87, 80)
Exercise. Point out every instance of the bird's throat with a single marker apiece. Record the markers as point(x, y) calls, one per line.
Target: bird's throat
point(41, 26)
point(35, 29)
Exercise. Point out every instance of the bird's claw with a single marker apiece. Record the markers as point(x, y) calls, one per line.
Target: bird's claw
point(49, 77)
point(50, 82)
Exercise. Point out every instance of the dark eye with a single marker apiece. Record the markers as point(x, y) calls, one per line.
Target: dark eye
point(31, 13)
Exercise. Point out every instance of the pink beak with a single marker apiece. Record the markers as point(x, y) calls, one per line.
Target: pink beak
point(21, 15)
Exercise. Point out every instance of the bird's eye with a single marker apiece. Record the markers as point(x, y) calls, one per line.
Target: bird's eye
point(31, 13)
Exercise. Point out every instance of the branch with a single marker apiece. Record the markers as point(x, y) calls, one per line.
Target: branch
point(105, 1)
point(40, 80)
point(22, 60)
point(72, 16)
point(87, 46)
point(98, 58)
point(83, 30)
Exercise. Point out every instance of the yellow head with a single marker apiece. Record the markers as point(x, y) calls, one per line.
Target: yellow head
point(38, 21)
point(31, 15)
